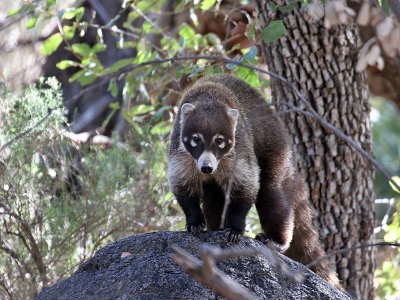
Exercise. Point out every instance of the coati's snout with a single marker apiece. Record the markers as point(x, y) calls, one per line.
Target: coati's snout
point(208, 134)
point(207, 162)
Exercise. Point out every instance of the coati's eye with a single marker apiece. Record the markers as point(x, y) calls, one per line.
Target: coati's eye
point(220, 142)
point(195, 140)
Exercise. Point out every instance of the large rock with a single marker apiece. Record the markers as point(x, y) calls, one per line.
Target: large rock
point(150, 273)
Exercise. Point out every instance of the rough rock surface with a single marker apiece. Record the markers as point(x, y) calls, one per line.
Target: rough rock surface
point(150, 273)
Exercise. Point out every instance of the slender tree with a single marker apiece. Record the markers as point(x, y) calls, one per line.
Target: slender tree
point(321, 64)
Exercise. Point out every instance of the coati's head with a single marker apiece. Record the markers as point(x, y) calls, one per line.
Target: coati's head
point(208, 133)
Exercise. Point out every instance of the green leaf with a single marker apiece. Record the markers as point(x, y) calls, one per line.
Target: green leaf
point(188, 35)
point(62, 65)
point(84, 77)
point(69, 14)
point(13, 12)
point(50, 3)
point(397, 180)
point(113, 87)
point(69, 32)
point(141, 109)
point(99, 47)
point(248, 75)
point(161, 128)
point(273, 32)
point(79, 13)
point(31, 22)
point(207, 4)
point(81, 49)
point(119, 64)
point(51, 44)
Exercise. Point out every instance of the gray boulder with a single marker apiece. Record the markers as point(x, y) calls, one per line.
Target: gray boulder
point(141, 267)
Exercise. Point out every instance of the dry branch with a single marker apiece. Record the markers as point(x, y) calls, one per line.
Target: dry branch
point(208, 274)
point(323, 122)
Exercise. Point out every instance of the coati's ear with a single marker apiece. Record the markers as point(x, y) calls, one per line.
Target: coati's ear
point(185, 109)
point(234, 115)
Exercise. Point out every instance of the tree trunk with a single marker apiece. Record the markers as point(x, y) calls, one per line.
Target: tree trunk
point(321, 64)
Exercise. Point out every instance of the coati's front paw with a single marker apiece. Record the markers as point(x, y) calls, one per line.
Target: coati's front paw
point(195, 228)
point(233, 236)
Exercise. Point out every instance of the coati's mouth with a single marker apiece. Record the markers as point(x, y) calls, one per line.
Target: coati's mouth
point(207, 163)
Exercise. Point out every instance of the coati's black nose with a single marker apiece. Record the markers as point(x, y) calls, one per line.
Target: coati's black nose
point(207, 169)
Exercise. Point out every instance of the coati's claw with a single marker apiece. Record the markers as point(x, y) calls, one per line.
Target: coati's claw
point(233, 236)
point(195, 228)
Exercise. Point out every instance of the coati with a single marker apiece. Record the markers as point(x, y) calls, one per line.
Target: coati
point(225, 136)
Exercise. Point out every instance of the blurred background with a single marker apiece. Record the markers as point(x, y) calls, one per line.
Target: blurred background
point(83, 153)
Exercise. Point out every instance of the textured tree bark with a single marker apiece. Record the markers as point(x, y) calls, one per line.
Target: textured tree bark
point(321, 64)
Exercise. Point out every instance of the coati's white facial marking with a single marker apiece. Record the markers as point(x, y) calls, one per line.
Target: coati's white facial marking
point(185, 139)
point(196, 139)
point(219, 140)
point(207, 162)
point(230, 141)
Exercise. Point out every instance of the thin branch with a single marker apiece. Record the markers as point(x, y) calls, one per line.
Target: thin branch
point(345, 250)
point(223, 59)
point(208, 274)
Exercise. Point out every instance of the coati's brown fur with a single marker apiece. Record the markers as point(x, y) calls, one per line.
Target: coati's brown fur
point(256, 158)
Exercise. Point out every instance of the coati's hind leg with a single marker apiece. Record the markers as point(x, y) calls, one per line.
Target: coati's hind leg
point(276, 215)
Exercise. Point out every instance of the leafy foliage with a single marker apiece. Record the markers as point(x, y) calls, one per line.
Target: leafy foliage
point(61, 202)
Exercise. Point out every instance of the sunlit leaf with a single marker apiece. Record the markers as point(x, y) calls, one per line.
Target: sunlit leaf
point(69, 32)
point(62, 65)
point(397, 180)
point(79, 13)
point(51, 44)
point(13, 12)
point(31, 22)
point(69, 14)
point(81, 49)
point(141, 109)
point(207, 4)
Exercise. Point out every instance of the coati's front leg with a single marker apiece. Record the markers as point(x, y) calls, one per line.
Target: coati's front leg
point(187, 191)
point(235, 219)
point(190, 204)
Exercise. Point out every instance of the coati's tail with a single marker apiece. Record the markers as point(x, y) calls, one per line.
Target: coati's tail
point(305, 246)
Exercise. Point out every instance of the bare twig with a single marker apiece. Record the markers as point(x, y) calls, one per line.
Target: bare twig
point(274, 75)
point(345, 250)
point(208, 274)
